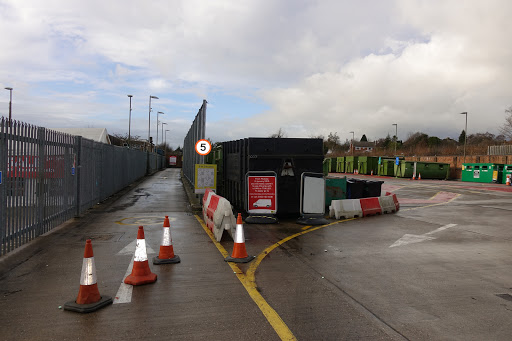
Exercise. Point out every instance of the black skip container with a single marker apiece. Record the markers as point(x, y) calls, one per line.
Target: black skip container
point(288, 157)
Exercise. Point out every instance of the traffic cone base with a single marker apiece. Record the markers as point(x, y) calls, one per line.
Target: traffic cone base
point(239, 260)
point(173, 260)
point(239, 254)
point(90, 307)
point(88, 298)
point(166, 254)
point(141, 273)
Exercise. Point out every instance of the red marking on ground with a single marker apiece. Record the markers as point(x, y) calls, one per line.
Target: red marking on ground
point(439, 198)
point(486, 188)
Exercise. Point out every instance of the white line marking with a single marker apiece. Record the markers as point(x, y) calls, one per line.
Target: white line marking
point(442, 228)
point(130, 249)
point(124, 294)
point(415, 238)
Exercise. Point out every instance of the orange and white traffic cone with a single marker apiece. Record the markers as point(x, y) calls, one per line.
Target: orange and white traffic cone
point(419, 176)
point(166, 255)
point(371, 172)
point(141, 273)
point(414, 176)
point(239, 254)
point(89, 298)
point(508, 180)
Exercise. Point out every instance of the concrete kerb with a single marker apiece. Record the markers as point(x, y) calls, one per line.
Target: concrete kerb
point(193, 198)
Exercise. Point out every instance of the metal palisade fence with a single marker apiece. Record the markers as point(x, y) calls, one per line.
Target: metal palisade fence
point(195, 133)
point(48, 177)
point(499, 150)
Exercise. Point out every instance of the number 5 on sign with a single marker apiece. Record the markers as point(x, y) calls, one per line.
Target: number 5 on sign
point(203, 147)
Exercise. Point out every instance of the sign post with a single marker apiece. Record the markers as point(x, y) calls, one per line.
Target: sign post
point(205, 177)
point(312, 199)
point(261, 197)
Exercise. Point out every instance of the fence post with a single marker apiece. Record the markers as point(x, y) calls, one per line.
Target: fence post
point(41, 138)
point(3, 190)
point(78, 173)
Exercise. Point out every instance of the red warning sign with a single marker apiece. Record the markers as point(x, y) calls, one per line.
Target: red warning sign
point(262, 194)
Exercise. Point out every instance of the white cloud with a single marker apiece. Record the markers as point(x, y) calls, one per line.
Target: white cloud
point(319, 66)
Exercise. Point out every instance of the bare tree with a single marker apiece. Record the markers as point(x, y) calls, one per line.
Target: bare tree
point(506, 129)
point(280, 134)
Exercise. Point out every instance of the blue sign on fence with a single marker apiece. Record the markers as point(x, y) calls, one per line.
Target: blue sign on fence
point(0, 177)
point(72, 170)
point(397, 161)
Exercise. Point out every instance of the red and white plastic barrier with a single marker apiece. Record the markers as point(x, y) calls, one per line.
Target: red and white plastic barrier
point(351, 208)
point(347, 208)
point(218, 215)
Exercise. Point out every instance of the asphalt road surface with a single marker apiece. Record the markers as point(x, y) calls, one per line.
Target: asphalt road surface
point(439, 269)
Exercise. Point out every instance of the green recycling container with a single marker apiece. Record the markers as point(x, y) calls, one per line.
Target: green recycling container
point(335, 189)
point(368, 164)
point(507, 171)
point(405, 169)
point(326, 166)
point(433, 170)
point(333, 165)
point(427, 170)
point(340, 164)
point(482, 172)
point(350, 164)
point(387, 167)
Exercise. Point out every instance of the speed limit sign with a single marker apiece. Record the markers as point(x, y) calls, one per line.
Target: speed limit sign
point(203, 147)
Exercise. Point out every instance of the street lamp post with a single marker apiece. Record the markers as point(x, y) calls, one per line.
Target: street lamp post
point(396, 135)
point(166, 130)
point(130, 121)
point(149, 121)
point(158, 113)
point(465, 134)
point(352, 142)
point(163, 128)
point(10, 104)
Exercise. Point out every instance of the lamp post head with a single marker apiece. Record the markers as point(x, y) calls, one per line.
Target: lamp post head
point(130, 96)
point(160, 112)
point(8, 88)
point(464, 113)
point(153, 97)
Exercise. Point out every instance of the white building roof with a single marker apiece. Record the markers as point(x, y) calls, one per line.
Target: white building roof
point(95, 134)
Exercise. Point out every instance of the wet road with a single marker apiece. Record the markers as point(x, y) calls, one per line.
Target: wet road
point(440, 269)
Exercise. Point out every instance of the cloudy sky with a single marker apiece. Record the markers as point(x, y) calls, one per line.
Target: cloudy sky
point(308, 67)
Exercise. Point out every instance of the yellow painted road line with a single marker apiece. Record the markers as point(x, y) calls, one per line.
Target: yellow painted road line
point(435, 195)
point(270, 314)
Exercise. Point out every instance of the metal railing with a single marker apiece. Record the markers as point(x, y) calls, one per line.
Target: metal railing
point(48, 177)
point(196, 132)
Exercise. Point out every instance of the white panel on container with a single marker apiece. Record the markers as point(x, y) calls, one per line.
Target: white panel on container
point(314, 195)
